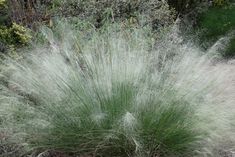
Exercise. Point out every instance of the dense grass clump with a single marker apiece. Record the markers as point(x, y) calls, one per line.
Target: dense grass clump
point(118, 94)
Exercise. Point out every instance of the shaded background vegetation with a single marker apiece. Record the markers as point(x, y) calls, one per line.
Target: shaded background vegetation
point(213, 18)
point(217, 22)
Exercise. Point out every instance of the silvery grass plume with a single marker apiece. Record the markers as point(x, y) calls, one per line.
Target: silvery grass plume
point(116, 93)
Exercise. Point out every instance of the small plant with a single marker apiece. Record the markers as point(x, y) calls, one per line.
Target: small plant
point(20, 33)
point(15, 35)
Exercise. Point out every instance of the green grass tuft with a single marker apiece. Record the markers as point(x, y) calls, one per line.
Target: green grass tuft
point(119, 94)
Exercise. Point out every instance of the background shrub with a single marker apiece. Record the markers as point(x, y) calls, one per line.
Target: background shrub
point(16, 34)
point(158, 12)
point(13, 37)
point(4, 18)
point(218, 22)
point(184, 6)
point(29, 13)
point(220, 2)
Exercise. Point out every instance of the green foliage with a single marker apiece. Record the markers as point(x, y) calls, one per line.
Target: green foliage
point(15, 35)
point(113, 91)
point(230, 51)
point(2, 3)
point(157, 13)
point(183, 6)
point(217, 22)
point(20, 33)
point(4, 18)
point(220, 2)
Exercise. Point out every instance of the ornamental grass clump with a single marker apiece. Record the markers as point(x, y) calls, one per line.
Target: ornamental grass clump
point(118, 94)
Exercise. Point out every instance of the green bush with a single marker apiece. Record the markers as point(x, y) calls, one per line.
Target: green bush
point(2, 3)
point(230, 51)
point(184, 6)
point(4, 14)
point(119, 96)
point(158, 13)
point(13, 37)
point(16, 34)
point(220, 2)
point(217, 22)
